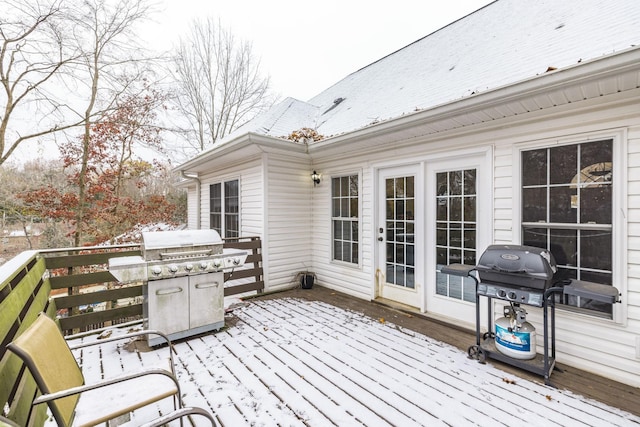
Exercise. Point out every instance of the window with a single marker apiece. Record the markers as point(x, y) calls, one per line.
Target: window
point(567, 209)
point(344, 208)
point(224, 208)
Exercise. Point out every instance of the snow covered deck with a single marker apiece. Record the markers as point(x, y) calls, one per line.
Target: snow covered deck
point(292, 362)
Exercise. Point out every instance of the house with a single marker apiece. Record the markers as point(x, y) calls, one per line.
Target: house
point(516, 124)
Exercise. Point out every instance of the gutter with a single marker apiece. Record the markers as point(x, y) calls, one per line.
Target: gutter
point(196, 179)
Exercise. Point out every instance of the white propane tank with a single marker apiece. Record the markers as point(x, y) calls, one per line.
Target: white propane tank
point(515, 337)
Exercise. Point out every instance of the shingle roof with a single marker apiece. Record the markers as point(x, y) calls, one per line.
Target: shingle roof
point(500, 44)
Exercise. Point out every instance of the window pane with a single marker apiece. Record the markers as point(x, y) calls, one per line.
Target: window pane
point(410, 210)
point(344, 186)
point(335, 187)
point(535, 237)
point(353, 207)
point(441, 256)
point(441, 234)
point(455, 204)
point(337, 250)
point(215, 191)
point(562, 206)
point(595, 205)
point(442, 209)
point(469, 208)
point(534, 205)
point(390, 188)
point(409, 187)
point(455, 235)
point(353, 185)
point(595, 250)
point(231, 188)
point(469, 238)
point(564, 164)
point(596, 152)
point(337, 230)
point(534, 167)
point(455, 183)
point(399, 187)
point(346, 230)
point(564, 247)
point(470, 182)
point(441, 184)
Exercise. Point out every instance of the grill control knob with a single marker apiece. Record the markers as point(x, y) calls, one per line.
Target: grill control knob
point(217, 263)
point(512, 295)
point(502, 293)
point(156, 271)
point(236, 261)
point(188, 267)
point(173, 268)
point(203, 265)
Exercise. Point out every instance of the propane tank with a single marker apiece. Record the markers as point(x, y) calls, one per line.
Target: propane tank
point(515, 337)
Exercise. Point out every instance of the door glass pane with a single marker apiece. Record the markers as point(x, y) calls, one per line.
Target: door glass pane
point(456, 230)
point(400, 215)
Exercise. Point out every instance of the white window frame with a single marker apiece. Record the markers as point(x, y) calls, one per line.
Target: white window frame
point(223, 212)
point(618, 206)
point(358, 175)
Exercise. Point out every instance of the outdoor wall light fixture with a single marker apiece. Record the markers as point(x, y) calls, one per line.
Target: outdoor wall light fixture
point(315, 177)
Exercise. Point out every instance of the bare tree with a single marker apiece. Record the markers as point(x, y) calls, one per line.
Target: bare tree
point(113, 67)
point(220, 84)
point(34, 51)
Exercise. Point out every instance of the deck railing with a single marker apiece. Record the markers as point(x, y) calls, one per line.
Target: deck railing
point(88, 297)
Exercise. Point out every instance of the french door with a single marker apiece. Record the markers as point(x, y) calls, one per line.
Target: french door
point(400, 216)
point(457, 195)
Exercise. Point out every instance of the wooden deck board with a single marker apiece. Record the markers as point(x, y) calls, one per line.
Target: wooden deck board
point(587, 384)
point(320, 358)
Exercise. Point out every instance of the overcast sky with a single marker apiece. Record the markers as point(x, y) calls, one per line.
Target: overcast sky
point(306, 46)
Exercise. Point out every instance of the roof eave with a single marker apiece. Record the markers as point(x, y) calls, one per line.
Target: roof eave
point(245, 145)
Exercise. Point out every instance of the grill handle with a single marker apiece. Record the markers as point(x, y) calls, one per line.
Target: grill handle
point(506, 270)
point(185, 254)
point(168, 291)
point(207, 285)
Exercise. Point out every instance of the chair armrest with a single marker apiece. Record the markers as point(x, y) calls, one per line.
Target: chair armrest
point(81, 389)
point(6, 422)
point(180, 413)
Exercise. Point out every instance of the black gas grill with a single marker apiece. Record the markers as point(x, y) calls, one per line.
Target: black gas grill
point(523, 275)
point(520, 274)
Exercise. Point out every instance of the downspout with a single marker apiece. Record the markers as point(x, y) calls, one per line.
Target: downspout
point(194, 177)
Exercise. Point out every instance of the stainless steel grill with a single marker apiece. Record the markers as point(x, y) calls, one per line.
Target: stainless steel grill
point(183, 275)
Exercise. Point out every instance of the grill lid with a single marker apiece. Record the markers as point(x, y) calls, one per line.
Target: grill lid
point(517, 265)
